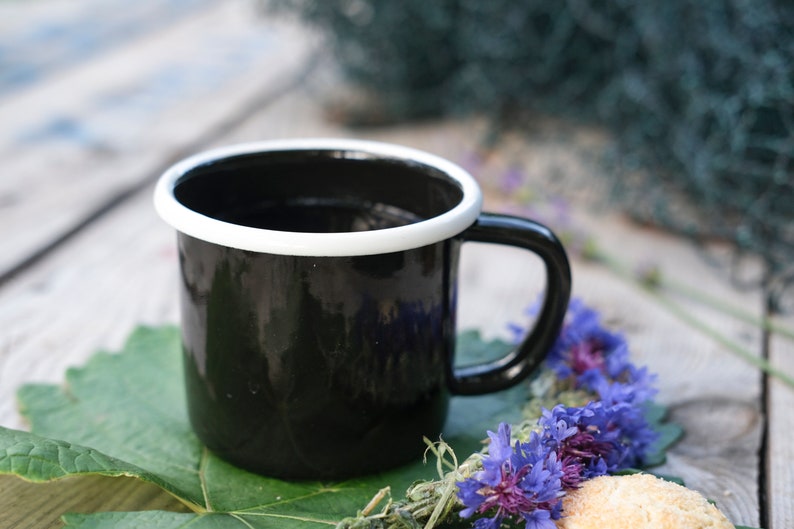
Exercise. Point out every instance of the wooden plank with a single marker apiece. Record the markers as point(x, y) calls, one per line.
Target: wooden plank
point(114, 306)
point(715, 394)
point(712, 393)
point(87, 296)
point(117, 273)
point(93, 132)
point(122, 271)
point(780, 449)
point(40, 505)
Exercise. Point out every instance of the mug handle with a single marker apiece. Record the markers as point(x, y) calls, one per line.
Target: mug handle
point(516, 365)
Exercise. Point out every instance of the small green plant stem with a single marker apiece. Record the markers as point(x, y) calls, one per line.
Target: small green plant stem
point(685, 316)
point(746, 355)
point(445, 501)
point(765, 323)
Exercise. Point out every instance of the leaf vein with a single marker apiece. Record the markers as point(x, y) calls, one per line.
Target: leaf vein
point(287, 501)
point(237, 514)
point(203, 478)
point(242, 520)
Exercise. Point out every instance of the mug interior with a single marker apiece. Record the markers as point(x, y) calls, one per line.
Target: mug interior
point(317, 192)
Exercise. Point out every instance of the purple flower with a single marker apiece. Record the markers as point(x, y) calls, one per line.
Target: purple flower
point(608, 437)
point(512, 180)
point(585, 350)
point(526, 481)
point(588, 357)
point(542, 519)
point(517, 482)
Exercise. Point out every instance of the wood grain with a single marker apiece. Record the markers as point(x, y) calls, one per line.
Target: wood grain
point(102, 127)
point(85, 297)
point(116, 121)
point(713, 394)
point(127, 273)
point(780, 448)
point(40, 505)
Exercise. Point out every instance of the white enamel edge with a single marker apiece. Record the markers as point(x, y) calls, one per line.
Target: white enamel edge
point(386, 240)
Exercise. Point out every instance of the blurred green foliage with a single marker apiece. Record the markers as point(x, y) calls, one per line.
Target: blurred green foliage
point(698, 93)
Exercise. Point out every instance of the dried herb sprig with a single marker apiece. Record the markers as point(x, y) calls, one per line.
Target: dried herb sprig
point(597, 426)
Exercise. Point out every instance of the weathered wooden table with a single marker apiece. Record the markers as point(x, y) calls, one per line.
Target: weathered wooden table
point(85, 130)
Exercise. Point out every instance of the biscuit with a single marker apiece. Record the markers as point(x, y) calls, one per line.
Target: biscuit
point(638, 501)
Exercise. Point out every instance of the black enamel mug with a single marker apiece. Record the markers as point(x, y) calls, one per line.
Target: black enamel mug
point(318, 298)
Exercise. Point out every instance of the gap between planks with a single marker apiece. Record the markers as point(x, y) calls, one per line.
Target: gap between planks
point(777, 499)
point(220, 130)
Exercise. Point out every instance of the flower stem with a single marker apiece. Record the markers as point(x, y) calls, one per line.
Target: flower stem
point(765, 323)
point(757, 361)
point(654, 290)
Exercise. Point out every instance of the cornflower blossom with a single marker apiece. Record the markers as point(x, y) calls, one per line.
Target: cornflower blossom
point(589, 357)
point(519, 482)
point(528, 480)
point(592, 358)
point(570, 444)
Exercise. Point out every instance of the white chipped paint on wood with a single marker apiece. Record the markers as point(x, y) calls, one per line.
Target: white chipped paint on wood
point(74, 142)
point(86, 296)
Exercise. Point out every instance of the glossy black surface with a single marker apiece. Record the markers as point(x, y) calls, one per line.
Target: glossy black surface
point(527, 234)
point(330, 367)
point(311, 367)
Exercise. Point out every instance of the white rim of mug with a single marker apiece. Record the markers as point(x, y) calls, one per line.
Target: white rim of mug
point(337, 244)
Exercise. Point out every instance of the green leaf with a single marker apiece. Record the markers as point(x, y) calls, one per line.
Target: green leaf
point(40, 459)
point(124, 414)
point(666, 477)
point(152, 520)
point(669, 434)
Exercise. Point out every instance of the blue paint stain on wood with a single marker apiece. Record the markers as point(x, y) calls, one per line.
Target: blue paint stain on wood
point(64, 129)
point(39, 47)
point(216, 59)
